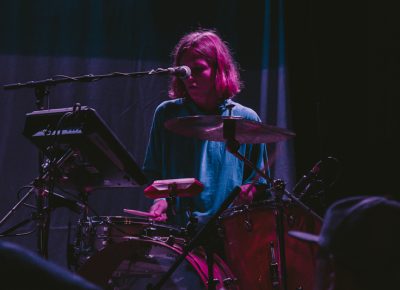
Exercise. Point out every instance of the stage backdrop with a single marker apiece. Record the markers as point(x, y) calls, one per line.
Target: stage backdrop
point(327, 72)
point(45, 39)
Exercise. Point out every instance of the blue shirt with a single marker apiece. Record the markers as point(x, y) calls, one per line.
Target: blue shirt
point(171, 156)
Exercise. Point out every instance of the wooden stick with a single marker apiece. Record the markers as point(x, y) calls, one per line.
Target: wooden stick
point(138, 212)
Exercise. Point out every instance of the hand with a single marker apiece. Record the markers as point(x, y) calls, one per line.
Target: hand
point(159, 210)
point(246, 194)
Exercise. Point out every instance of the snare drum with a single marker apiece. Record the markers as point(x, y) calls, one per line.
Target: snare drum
point(132, 252)
point(96, 233)
point(104, 230)
point(252, 249)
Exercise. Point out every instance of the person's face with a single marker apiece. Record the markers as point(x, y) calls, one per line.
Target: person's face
point(200, 85)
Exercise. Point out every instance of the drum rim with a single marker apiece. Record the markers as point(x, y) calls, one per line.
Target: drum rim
point(128, 220)
point(120, 223)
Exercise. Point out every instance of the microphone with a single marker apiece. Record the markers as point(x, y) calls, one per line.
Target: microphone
point(306, 179)
point(182, 72)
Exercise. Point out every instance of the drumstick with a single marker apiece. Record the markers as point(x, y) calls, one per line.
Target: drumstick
point(139, 213)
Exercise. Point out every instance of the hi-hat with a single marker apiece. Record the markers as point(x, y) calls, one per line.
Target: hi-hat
point(223, 128)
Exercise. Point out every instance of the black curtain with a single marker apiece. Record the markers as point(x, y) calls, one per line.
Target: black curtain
point(343, 69)
point(43, 39)
point(327, 71)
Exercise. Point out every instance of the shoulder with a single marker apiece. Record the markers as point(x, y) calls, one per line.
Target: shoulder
point(169, 104)
point(169, 107)
point(243, 111)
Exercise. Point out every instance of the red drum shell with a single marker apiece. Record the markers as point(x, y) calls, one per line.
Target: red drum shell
point(251, 241)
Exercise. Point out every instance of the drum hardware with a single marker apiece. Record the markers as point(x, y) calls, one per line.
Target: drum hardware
point(171, 199)
point(171, 240)
point(274, 267)
point(235, 131)
point(199, 237)
point(247, 222)
point(192, 225)
point(291, 220)
point(148, 231)
point(220, 229)
point(212, 282)
point(278, 187)
point(230, 282)
point(230, 134)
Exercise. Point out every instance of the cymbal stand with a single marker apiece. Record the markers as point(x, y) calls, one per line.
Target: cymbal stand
point(278, 186)
point(43, 214)
point(171, 199)
point(194, 242)
point(233, 146)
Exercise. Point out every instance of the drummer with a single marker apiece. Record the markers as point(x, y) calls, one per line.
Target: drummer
point(209, 90)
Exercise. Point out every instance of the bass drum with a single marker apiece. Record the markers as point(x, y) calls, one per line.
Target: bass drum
point(252, 246)
point(138, 263)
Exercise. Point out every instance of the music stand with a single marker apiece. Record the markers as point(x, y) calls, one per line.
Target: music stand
point(99, 159)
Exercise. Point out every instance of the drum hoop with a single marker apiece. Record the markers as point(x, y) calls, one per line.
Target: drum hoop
point(127, 220)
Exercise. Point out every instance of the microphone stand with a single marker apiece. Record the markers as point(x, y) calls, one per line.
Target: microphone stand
point(42, 214)
point(39, 185)
point(43, 190)
point(41, 86)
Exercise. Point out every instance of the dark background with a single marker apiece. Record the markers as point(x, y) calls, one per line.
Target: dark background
point(343, 70)
point(340, 63)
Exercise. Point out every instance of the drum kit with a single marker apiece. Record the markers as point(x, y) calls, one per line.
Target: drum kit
point(125, 252)
point(139, 253)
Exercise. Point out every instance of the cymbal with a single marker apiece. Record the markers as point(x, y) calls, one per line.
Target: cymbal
point(223, 128)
